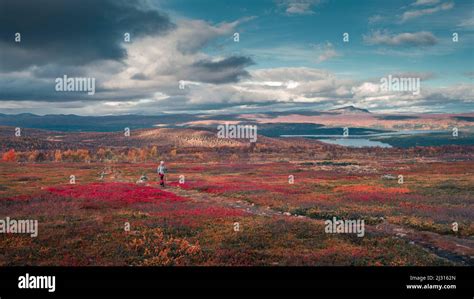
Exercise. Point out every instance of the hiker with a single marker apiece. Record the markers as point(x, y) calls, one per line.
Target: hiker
point(161, 172)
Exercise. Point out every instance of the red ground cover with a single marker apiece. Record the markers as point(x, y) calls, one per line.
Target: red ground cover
point(122, 192)
point(371, 193)
point(224, 187)
point(207, 212)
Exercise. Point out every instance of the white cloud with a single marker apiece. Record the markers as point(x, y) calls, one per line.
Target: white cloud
point(161, 62)
point(326, 52)
point(425, 2)
point(462, 92)
point(299, 7)
point(284, 84)
point(147, 80)
point(366, 89)
point(412, 14)
point(375, 19)
point(422, 38)
point(467, 23)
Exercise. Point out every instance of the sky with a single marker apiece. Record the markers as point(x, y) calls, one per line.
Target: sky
point(182, 56)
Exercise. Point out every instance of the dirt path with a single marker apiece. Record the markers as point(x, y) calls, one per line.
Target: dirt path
point(225, 201)
point(454, 249)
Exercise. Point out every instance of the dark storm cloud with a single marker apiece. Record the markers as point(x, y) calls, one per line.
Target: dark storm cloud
point(15, 88)
point(227, 70)
point(73, 32)
point(53, 71)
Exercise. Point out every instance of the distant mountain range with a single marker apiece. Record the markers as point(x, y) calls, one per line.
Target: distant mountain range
point(199, 130)
point(348, 116)
point(75, 123)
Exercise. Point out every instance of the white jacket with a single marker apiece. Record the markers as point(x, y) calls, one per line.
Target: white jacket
point(161, 169)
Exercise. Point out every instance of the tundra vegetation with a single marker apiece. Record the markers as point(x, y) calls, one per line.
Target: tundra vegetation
point(105, 218)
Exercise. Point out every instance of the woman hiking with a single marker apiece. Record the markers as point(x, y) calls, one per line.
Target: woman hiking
point(161, 172)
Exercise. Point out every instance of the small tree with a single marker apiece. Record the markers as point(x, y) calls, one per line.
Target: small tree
point(101, 154)
point(33, 156)
point(154, 152)
point(143, 154)
point(132, 155)
point(58, 156)
point(173, 152)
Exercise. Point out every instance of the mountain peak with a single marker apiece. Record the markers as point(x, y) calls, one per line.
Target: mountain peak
point(350, 109)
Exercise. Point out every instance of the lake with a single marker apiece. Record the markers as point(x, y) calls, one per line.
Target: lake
point(355, 142)
point(363, 140)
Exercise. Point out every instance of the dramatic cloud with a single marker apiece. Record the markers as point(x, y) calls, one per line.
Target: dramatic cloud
point(221, 71)
point(149, 68)
point(422, 38)
point(176, 64)
point(155, 60)
point(193, 35)
point(295, 84)
point(75, 32)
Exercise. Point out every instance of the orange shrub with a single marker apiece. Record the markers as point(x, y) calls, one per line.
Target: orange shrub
point(58, 156)
point(10, 156)
point(371, 189)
